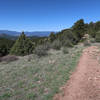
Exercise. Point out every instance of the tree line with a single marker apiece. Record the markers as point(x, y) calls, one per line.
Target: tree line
point(65, 38)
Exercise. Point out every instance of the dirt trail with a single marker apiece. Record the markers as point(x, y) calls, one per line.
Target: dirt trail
point(84, 83)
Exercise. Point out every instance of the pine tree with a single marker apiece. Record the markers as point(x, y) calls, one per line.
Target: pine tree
point(5, 46)
point(23, 46)
point(79, 28)
point(52, 37)
point(91, 29)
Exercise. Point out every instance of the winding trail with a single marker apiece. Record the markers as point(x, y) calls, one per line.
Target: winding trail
point(84, 83)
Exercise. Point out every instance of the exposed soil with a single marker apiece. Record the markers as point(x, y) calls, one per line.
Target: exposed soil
point(84, 83)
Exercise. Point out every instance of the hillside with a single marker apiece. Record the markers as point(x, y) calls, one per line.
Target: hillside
point(33, 78)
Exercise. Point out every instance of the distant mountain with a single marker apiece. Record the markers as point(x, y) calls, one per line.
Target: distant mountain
point(36, 33)
point(7, 36)
point(11, 37)
point(12, 33)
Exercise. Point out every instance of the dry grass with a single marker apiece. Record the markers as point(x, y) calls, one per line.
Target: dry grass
point(39, 78)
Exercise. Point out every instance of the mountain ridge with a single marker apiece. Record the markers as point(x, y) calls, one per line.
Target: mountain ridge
point(34, 33)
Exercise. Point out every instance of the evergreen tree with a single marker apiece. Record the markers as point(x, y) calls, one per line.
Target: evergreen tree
point(23, 46)
point(97, 26)
point(91, 29)
point(52, 37)
point(79, 28)
point(68, 35)
point(5, 46)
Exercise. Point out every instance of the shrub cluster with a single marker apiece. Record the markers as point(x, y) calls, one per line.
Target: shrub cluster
point(65, 50)
point(97, 38)
point(56, 45)
point(40, 51)
point(87, 43)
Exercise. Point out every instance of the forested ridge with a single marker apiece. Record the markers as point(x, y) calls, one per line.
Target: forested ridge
point(65, 38)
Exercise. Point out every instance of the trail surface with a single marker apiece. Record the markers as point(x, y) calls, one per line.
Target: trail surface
point(84, 83)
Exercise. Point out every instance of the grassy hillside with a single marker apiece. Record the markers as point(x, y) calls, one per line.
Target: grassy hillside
point(38, 79)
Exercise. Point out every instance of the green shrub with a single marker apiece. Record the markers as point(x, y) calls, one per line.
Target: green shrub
point(67, 35)
point(40, 51)
point(56, 45)
point(65, 50)
point(52, 37)
point(47, 45)
point(92, 40)
point(87, 43)
point(67, 43)
point(97, 38)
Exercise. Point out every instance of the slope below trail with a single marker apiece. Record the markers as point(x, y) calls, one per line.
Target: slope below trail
point(84, 83)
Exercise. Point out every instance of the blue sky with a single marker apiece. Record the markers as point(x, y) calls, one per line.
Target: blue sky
point(46, 15)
